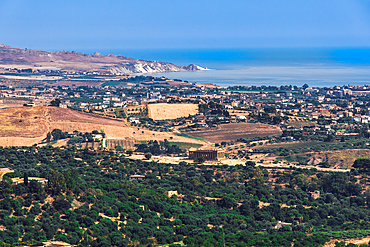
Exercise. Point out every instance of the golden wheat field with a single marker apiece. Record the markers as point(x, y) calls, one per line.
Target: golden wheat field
point(162, 111)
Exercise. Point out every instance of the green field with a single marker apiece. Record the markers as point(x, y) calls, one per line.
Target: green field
point(186, 145)
point(114, 83)
point(189, 136)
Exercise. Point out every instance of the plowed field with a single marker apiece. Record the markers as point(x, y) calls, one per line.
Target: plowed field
point(234, 131)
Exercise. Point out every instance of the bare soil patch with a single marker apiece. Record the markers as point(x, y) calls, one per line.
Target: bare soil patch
point(338, 158)
point(33, 122)
point(62, 114)
point(343, 159)
point(24, 126)
point(23, 122)
point(357, 241)
point(111, 131)
point(300, 124)
point(234, 131)
point(162, 111)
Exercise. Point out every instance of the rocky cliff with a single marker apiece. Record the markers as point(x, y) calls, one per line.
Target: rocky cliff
point(81, 62)
point(140, 66)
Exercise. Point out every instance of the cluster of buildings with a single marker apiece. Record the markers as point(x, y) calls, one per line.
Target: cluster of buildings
point(18, 180)
point(286, 102)
point(207, 154)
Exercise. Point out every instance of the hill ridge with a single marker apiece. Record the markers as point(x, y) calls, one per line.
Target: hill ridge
point(82, 62)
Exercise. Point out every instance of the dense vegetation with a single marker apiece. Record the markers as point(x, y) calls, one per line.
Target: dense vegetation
point(156, 148)
point(89, 200)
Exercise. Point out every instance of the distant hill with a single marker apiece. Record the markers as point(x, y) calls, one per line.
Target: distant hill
point(81, 62)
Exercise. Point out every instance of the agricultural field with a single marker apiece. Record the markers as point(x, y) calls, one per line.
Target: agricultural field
point(23, 122)
point(162, 111)
point(139, 110)
point(300, 124)
point(149, 135)
point(61, 114)
point(186, 145)
point(289, 145)
point(24, 126)
point(29, 125)
point(234, 131)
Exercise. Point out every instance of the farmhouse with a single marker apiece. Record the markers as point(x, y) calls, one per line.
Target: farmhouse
point(4, 171)
point(170, 193)
point(141, 177)
point(281, 224)
point(32, 104)
point(21, 180)
point(136, 177)
point(209, 154)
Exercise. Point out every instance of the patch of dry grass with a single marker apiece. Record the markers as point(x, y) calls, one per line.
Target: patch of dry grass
point(162, 111)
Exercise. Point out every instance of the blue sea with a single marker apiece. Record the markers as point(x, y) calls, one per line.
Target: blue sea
point(272, 66)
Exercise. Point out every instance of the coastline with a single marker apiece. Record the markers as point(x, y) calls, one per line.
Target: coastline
point(264, 66)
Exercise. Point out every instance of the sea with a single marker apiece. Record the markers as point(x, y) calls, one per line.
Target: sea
point(317, 67)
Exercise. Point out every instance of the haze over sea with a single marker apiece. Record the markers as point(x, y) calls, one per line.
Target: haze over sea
point(269, 66)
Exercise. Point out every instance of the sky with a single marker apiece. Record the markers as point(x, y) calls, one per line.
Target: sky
point(174, 24)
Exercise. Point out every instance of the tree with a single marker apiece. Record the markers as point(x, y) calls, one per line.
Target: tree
point(362, 164)
point(305, 86)
point(250, 164)
point(329, 138)
point(5, 186)
point(367, 197)
point(71, 177)
point(55, 102)
point(226, 202)
point(61, 205)
point(48, 137)
point(324, 164)
point(56, 183)
point(25, 178)
point(148, 156)
point(269, 109)
point(201, 159)
point(35, 187)
point(340, 244)
point(57, 134)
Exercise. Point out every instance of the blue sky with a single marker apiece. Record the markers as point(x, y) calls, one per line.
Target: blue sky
point(143, 24)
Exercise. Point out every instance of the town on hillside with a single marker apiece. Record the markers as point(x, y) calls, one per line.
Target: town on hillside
point(270, 125)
